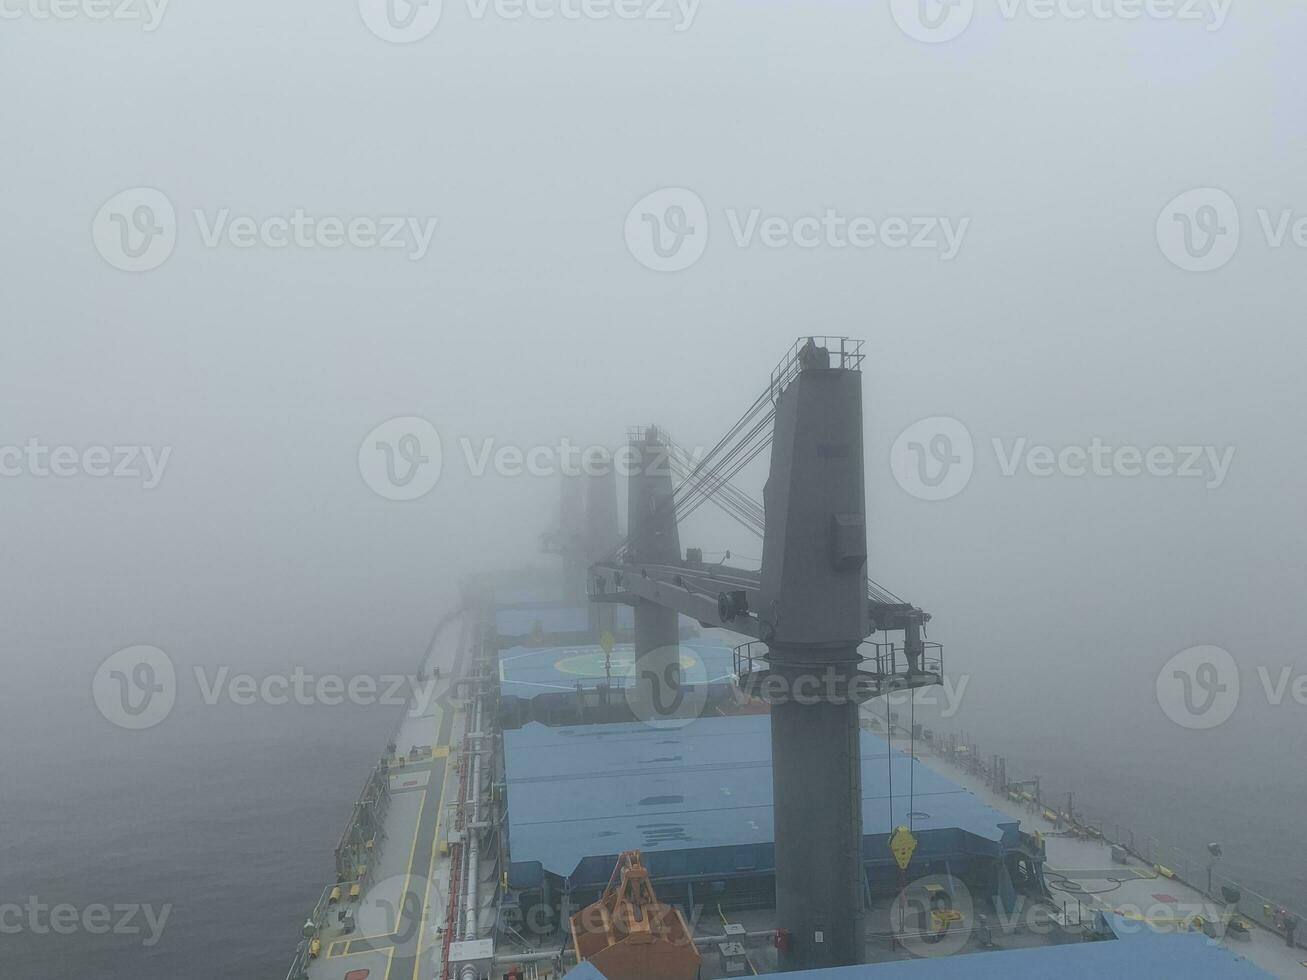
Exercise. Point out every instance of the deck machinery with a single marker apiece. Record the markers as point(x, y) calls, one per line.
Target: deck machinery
point(628, 933)
point(809, 610)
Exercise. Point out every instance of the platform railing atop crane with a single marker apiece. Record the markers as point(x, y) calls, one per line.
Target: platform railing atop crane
point(892, 660)
point(596, 589)
point(845, 352)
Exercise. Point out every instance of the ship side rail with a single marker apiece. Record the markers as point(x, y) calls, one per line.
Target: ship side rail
point(1069, 816)
point(299, 966)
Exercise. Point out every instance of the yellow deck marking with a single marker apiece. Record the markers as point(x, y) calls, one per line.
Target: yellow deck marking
point(367, 939)
point(431, 866)
point(362, 952)
point(412, 853)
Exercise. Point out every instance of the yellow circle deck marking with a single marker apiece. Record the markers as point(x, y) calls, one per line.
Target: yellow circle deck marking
point(591, 664)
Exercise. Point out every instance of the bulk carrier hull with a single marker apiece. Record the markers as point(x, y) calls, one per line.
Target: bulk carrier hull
point(722, 733)
point(505, 805)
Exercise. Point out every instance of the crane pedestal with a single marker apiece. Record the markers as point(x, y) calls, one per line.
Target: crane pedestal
point(817, 803)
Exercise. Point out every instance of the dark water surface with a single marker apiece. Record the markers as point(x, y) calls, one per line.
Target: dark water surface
point(229, 816)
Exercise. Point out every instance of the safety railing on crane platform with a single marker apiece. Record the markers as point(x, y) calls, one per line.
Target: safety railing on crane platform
point(887, 660)
point(746, 655)
point(845, 352)
point(891, 659)
point(596, 587)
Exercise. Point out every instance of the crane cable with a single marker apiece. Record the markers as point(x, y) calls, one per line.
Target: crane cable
point(700, 485)
point(746, 510)
point(912, 753)
point(686, 497)
point(735, 502)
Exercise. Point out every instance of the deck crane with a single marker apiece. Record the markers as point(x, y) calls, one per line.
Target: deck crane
point(808, 610)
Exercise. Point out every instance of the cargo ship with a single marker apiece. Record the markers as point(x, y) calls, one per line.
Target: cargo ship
point(641, 765)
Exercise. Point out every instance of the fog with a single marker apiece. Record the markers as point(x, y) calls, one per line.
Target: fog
point(1057, 315)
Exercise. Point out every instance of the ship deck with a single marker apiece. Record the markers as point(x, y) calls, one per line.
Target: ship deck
point(1149, 903)
point(400, 912)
